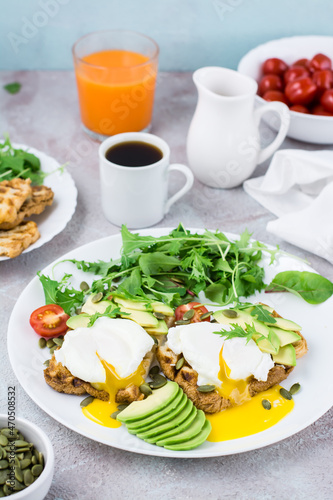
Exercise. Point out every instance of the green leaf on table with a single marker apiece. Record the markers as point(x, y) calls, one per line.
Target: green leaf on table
point(13, 88)
point(312, 287)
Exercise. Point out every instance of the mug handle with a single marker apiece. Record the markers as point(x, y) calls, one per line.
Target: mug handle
point(188, 184)
point(283, 111)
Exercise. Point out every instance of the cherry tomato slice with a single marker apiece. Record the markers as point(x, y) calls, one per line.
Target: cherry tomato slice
point(320, 61)
point(299, 108)
point(301, 91)
point(49, 320)
point(198, 309)
point(295, 72)
point(269, 82)
point(275, 66)
point(326, 100)
point(275, 95)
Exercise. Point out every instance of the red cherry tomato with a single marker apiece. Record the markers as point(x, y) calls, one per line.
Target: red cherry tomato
point(302, 62)
point(320, 61)
point(269, 82)
point(299, 108)
point(301, 91)
point(198, 309)
point(274, 66)
point(295, 72)
point(49, 320)
point(326, 100)
point(321, 111)
point(275, 95)
point(323, 79)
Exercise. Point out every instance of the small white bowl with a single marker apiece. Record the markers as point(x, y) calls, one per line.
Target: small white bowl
point(39, 488)
point(309, 128)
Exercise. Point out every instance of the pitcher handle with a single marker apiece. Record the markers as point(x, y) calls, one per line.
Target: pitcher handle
point(283, 111)
point(187, 186)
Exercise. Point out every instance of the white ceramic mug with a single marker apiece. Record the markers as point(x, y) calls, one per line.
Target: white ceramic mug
point(223, 143)
point(137, 196)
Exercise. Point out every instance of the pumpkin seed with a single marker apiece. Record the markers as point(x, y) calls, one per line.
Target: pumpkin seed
point(159, 315)
point(34, 460)
point(19, 474)
point(229, 313)
point(189, 314)
point(58, 341)
point(20, 456)
point(42, 343)
point(285, 394)
point(154, 371)
point(54, 348)
point(2, 495)
point(154, 339)
point(7, 490)
point(97, 298)
point(24, 449)
point(47, 362)
point(183, 322)
point(180, 363)
point(78, 310)
point(114, 414)
point(122, 406)
point(28, 478)
point(36, 470)
point(177, 280)
point(266, 404)
point(1, 453)
point(17, 486)
point(3, 440)
point(50, 343)
point(20, 436)
point(206, 388)
point(3, 476)
point(157, 382)
point(4, 453)
point(21, 444)
point(84, 286)
point(25, 463)
point(205, 315)
point(295, 388)
point(145, 389)
point(4, 464)
point(85, 402)
point(9, 433)
point(28, 455)
point(41, 458)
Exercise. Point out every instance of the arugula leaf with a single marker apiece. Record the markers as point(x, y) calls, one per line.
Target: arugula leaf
point(262, 314)
point(238, 331)
point(154, 263)
point(110, 312)
point(133, 241)
point(132, 284)
point(13, 88)
point(57, 292)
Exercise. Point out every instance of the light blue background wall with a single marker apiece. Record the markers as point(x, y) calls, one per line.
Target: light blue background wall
point(38, 34)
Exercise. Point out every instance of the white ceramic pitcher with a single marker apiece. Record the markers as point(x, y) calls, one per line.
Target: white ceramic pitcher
point(223, 143)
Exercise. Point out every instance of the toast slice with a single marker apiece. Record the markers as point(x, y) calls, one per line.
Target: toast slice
point(14, 241)
point(12, 196)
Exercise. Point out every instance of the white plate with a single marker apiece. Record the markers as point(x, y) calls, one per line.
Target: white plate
point(54, 218)
point(309, 128)
point(314, 371)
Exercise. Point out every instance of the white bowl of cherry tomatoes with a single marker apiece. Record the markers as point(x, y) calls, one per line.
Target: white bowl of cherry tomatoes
point(299, 72)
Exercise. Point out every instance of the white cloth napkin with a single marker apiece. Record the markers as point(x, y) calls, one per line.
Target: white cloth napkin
point(298, 189)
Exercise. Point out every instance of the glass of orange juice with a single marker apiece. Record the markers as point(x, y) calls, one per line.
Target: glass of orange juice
point(116, 77)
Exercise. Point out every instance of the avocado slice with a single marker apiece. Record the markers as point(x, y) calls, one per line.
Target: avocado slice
point(189, 433)
point(178, 402)
point(285, 336)
point(143, 318)
point(160, 329)
point(168, 426)
point(241, 319)
point(194, 442)
point(271, 345)
point(137, 305)
point(172, 413)
point(287, 324)
point(92, 307)
point(162, 308)
point(175, 430)
point(285, 356)
point(158, 400)
point(79, 321)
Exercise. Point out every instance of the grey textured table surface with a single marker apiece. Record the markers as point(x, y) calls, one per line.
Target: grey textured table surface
point(45, 115)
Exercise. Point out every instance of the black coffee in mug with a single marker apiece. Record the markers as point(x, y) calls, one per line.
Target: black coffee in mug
point(134, 154)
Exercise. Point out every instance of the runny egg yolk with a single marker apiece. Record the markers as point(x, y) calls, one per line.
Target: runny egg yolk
point(100, 411)
point(247, 416)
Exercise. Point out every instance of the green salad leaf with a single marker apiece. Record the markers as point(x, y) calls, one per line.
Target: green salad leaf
point(13, 88)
